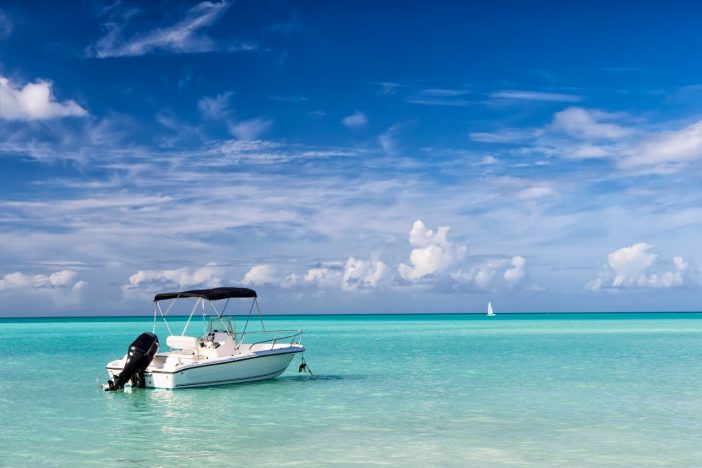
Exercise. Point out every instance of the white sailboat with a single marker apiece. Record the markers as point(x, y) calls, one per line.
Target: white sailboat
point(490, 313)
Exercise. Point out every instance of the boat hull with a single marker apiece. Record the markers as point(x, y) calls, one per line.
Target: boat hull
point(237, 369)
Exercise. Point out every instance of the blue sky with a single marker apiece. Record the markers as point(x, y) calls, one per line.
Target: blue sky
point(350, 157)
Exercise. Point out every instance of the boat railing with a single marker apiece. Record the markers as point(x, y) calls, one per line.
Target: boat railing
point(289, 337)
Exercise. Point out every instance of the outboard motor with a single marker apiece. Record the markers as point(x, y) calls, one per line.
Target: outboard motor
point(141, 353)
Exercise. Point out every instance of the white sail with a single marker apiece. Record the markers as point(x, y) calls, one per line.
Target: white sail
point(490, 312)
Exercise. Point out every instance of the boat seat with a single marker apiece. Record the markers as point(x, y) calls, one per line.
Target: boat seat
point(182, 342)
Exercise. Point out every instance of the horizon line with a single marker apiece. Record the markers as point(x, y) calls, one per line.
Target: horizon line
point(364, 314)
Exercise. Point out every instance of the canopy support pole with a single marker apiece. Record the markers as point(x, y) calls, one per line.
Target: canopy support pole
point(260, 315)
point(204, 324)
point(163, 316)
point(190, 317)
point(246, 325)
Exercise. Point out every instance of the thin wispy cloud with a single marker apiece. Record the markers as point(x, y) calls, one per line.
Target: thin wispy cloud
point(250, 129)
point(667, 151)
point(589, 124)
point(185, 36)
point(215, 107)
point(536, 96)
point(510, 136)
point(6, 25)
point(388, 139)
point(388, 88)
point(444, 92)
point(438, 100)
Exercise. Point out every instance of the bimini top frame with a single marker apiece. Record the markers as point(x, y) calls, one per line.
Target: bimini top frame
point(209, 295)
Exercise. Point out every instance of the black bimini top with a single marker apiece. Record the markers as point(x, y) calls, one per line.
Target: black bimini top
point(213, 294)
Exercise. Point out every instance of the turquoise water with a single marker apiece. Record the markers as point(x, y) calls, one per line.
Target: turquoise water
point(534, 390)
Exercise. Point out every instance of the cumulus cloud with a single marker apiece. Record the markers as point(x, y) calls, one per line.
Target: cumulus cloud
point(353, 275)
point(59, 279)
point(589, 124)
point(482, 276)
point(260, 274)
point(248, 130)
point(145, 282)
point(34, 101)
point(328, 275)
point(433, 253)
point(356, 120)
point(495, 274)
point(517, 271)
point(61, 287)
point(181, 37)
point(638, 266)
point(362, 274)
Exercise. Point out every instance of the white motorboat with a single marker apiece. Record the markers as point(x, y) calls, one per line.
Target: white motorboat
point(220, 356)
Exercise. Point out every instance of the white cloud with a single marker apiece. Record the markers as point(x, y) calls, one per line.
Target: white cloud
point(588, 124)
point(482, 276)
point(60, 287)
point(506, 136)
point(578, 133)
point(638, 266)
point(292, 280)
point(145, 282)
point(324, 276)
point(667, 149)
point(518, 271)
point(388, 140)
point(535, 96)
point(432, 254)
point(18, 280)
point(260, 274)
point(362, 274)
point(353, 275)
point(34, 101)
point(356, 120)
point(215, 107)
point(535, 192)
point(495, 274)
point(181, 37)
point(446, 101)
point(248, 130)
point(630, 263)
point(590, 151)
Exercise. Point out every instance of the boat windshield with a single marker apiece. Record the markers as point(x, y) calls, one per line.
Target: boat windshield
point(223, 324)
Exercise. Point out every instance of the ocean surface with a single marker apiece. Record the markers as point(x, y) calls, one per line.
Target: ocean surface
point(408, 390)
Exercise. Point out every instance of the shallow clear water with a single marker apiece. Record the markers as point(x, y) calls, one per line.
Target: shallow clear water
point(389, 390)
